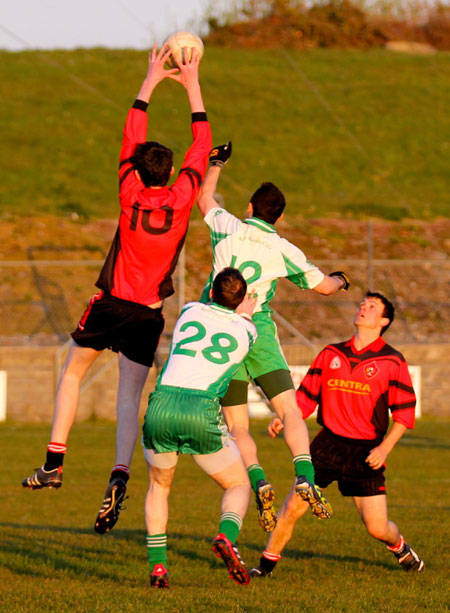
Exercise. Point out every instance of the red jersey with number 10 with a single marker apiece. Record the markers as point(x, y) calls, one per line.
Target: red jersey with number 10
point(355, 390)
point(153, 221)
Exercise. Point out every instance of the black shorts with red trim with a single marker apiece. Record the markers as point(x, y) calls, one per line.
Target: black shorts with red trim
point(336, 458)
point(120, 325)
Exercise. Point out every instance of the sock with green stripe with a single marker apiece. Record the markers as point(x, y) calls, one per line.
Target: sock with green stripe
point(157, 549)
point(255, 474)
point(230, 525)
point(303, 466)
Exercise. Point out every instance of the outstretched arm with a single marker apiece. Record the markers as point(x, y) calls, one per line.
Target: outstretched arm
point(135, 130)
point(206, 200)
point(156, 72)
point(218, 157)
point(332, 283)
point(188, 77)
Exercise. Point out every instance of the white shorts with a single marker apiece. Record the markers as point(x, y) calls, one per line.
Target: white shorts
point(210, 463)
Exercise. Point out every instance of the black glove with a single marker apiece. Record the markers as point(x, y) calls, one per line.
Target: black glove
point(344, 277)
point(219, 156)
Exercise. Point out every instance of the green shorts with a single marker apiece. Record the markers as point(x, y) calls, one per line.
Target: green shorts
point(265, 364)
point(186, 421)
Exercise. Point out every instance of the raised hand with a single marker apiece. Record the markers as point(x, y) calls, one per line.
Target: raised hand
point(156, 62)
point(155, 72)
point(248, 304)
point(187, 72)
point(219, 156)
point(345, 279)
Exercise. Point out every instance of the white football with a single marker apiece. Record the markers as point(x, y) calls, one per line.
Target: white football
point(178, 41)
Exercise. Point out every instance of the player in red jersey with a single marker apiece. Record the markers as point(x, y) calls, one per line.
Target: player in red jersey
point(354, 384)
point(126, 315)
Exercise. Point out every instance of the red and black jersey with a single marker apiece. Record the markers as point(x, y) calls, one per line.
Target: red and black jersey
point(355, 390)
point(153, 221)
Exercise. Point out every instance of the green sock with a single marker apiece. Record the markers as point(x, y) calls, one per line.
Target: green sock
point(255, 474)
point(157, 549)
point(230, 525)
point(303, 466)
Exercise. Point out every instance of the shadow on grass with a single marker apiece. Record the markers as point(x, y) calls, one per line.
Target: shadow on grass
point(93, 559)
point(22, 556)
point(295, 554)
point(25, 526)
point(46, 545)
point(47, 549)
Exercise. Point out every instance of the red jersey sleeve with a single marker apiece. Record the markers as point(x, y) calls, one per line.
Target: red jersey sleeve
point(195, 161)
point(308, 394)
point(194, 165)
point(402, 398)
point(134, 132)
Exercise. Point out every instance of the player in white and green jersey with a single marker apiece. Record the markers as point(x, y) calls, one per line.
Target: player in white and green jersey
point(199, 334)
point(254, 247)
point(184, 416)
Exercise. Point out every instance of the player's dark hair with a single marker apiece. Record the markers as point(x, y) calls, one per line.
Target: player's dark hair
point(388, 311)
point(268, 203)
point(229, 288)
point(154, 163)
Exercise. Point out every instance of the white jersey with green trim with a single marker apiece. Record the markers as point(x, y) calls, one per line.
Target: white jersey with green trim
point(261, 255)
point(208, 345)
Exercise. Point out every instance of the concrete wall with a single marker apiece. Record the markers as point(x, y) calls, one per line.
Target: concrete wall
point(31, 383)
point(31, 380)
point(433, 360)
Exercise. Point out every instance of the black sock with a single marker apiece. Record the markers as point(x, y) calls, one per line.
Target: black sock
point(267, 565)
point(53, 460)
point(119, 474)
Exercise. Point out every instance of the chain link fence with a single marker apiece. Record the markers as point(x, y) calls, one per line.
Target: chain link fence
point(43, 298)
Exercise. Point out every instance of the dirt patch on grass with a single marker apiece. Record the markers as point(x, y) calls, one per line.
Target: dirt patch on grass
point(416, 276)
point(318, 238)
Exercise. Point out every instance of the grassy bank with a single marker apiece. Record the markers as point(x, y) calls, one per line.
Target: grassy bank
point(343, 133)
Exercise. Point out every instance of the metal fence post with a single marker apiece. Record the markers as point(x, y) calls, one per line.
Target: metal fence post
point(370, 254)
point(181, 279)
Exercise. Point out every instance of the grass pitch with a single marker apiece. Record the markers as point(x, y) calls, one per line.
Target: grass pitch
point(51, 560)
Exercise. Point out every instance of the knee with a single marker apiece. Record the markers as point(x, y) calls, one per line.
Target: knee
point(244, 489)
point(241, 482)
point(161, 479)
point(161, 486)
point(377, 530)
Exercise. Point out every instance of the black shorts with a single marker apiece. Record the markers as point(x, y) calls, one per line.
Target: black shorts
point(340, 459)
point(120, 325)
point(272, 384)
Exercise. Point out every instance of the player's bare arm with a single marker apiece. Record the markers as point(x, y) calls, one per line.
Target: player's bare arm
point(332, 283)
point(218, 157)
point(378, 455)
point(156, 71)
point(205, 199)
point(188, 77)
